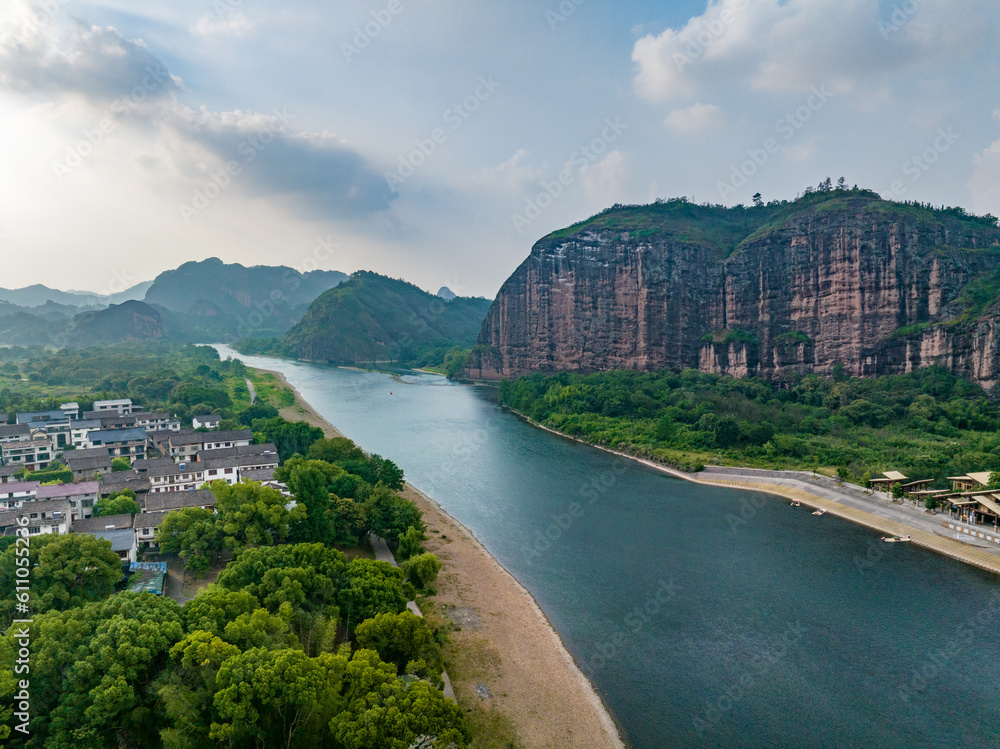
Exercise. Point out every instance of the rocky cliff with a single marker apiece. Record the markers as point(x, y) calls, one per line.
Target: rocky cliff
point(835, 278)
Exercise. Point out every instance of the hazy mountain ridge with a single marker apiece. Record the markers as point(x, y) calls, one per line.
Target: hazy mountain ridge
point(201, 302)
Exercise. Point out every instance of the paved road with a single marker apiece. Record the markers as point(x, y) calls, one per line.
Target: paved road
point(877, 504)
point(253, 393)
point(880, 515)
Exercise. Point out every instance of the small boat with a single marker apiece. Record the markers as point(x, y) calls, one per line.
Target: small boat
point(820, 512)
point(795, 503)
point(895, 539)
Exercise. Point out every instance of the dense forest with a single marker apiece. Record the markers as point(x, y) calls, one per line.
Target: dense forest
point(927, 424)
point(302, 640)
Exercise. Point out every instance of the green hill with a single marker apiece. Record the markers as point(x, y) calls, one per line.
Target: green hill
point(212, 300)
point(372, 318)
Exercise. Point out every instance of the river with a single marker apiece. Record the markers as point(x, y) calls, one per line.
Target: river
point(705, 617)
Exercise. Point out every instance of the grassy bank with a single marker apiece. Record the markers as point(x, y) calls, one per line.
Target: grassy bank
point(927, 424)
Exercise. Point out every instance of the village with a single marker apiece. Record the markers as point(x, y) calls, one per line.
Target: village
point(113, 448)
point(972, 503)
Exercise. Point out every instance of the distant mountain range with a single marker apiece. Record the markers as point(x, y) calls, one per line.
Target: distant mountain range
point(373, 318)
point(39, 295)
point(207, 301)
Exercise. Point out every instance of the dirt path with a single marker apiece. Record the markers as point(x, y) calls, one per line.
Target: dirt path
point(508, 661)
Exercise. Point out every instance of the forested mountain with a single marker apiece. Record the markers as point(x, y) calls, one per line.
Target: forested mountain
point(837, 277)
point(372, 318)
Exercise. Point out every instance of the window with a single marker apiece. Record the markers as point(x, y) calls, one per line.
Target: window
point(34, 531)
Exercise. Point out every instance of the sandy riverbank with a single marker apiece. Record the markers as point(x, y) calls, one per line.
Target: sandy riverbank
point(883, 518)
point(531, 678)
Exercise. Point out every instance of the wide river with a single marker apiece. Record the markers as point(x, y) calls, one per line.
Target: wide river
point(704, 617)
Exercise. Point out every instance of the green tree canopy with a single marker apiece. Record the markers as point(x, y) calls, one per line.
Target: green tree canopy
point(403, 640)
point(250, 514)
point(67, 571)
point(422, 570)
point(194, 534)
point(117, 503)
point(387, 713)
point(369, 588)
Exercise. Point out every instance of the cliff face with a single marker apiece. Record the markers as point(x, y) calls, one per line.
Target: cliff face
point(838, 278)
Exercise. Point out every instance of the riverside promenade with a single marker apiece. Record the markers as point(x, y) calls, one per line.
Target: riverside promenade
point(851, 503)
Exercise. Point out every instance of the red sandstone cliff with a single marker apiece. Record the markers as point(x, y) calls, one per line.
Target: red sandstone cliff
point(836, 278)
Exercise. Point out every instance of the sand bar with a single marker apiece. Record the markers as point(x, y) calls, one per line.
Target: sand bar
point(530, 676)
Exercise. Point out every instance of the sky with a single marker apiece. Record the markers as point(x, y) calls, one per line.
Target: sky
point(437, 140)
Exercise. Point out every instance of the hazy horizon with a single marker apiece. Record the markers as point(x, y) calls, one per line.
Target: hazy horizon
point(438, 143)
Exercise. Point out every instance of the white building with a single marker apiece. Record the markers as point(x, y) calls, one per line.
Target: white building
point(122, 405)
point(209, 421)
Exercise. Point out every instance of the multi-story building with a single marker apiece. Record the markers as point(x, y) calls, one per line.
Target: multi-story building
point(14, 432)
point(41, 517)
point(52, 424)
point(185, 445)
point(14, 495)
point(179, 477)
point(80, 497)
point(71, 410)
point(80, 429)
point(123, 406)
point(33, 455)
point(127, 443)
point(156, 507)
point(149, 421)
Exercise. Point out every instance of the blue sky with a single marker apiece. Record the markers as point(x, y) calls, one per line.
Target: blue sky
point(439, 144)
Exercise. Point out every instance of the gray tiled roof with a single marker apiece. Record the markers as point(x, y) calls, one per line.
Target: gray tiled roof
point(176, 500)
point(89, 525)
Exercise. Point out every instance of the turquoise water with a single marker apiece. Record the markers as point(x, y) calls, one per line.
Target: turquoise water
point(704, 617)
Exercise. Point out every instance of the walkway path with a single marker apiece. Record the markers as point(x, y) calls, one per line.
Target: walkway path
point(253, 393)
point(382, 554)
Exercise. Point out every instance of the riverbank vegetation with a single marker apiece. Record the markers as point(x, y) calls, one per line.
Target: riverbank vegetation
point(182, 380)
point(292, 645)
point(926, 424)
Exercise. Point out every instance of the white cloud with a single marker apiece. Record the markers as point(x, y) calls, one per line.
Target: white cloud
point(232, 24)
point(695, 119)
point(985, 181)
point(791, 45)
point(605, 180)
point(513, 174)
